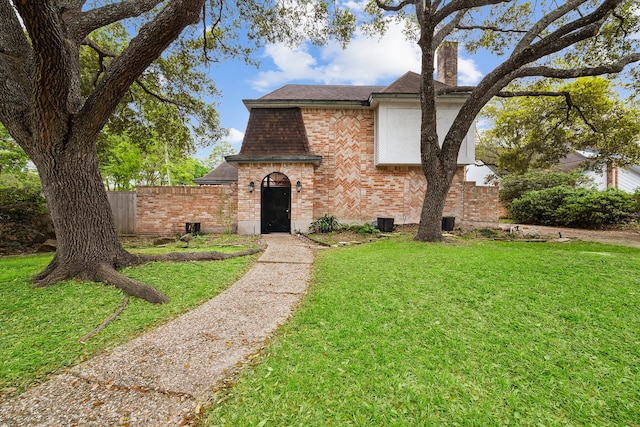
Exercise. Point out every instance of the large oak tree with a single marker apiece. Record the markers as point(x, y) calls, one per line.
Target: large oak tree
point(44, 110)
point(545, 39)
point(57, 121)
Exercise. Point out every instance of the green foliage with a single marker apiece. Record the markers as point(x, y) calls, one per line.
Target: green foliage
point(364, 229)
point(218, 153)
point(537, 131)
point(399, 333)
point(13, 160)
point(513, 186)
point(151, 136)
point(325, 224)
point(573, 207)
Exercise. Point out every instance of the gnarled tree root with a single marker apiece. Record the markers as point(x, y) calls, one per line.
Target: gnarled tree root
point(108, 320)
point(189, 256)
point(107, 272)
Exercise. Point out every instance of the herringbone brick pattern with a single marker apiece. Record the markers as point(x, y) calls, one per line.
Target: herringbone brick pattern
point(347, 172)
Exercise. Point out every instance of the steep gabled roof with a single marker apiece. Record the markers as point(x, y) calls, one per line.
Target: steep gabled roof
point(224, 173)
point(275, 134)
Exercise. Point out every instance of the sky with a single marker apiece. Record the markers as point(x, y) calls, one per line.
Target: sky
point(365, 61)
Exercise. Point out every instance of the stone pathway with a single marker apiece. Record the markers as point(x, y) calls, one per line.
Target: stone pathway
point(163, 377)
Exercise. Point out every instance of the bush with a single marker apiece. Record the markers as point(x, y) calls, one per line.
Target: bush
point(325, 224)
point(364, 229)
point(597, 208)
point(516, 185)
point(573, 207)
point(24, 219)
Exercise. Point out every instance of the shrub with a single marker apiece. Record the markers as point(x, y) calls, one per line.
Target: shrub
point(24, 219)
point(596, 208)
point(365, 228)
point(573, 207)
point(325, 224)
point(516, 185)
point(540, 206)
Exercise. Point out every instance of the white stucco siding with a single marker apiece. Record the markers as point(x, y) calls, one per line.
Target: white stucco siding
point(397, 132)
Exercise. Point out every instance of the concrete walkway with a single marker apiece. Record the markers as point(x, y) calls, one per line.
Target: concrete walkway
point(163, 377)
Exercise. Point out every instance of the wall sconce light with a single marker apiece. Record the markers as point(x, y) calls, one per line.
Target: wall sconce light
point(298, 186)
point(252, 186)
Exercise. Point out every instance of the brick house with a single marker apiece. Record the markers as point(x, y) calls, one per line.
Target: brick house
point(348, 151)
point(310, 150)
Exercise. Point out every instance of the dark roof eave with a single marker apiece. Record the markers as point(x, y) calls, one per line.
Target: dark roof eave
point(239, 158)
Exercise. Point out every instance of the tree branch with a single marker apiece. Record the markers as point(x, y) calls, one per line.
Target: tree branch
point(157, 95)
point(460, 5)
point(102, 53)
point(443, 32)
point(567, 99)
point(544, 22)
point(394, 8)
point(152, 39)
point(106, 322)
point(612, 68)
point(489, 28)
point(102, 16)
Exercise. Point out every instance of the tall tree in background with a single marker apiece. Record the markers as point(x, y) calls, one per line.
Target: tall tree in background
point(43, 107)
point(545, 39)
point(585, 114)
point(161, 121)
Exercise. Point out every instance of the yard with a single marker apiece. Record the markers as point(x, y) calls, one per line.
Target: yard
point(469, 333)
point(40, 328)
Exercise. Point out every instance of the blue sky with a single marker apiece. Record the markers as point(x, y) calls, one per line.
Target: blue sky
point(365, 61)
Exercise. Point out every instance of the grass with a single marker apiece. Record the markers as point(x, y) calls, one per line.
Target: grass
point(40, 328)
point(475, 333)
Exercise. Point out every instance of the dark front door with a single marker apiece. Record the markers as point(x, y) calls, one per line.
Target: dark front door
point(276, 204)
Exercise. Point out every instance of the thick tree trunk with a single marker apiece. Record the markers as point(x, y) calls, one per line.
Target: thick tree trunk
point(430, 228)
point(88, 245)
point(433, 168)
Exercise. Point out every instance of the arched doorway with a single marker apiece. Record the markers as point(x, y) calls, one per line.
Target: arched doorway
point(275, 212)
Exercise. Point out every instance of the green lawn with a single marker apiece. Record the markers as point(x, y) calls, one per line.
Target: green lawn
point(473, 333)
point(40, 328)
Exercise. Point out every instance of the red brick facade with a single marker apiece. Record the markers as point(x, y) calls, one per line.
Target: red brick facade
point(346, 184)
point(165, 210)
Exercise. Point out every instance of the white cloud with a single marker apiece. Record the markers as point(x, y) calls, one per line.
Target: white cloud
point(468, 72)
point(365, 61)
point(235, 136)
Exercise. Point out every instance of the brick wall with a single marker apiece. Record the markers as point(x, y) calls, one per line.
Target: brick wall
point(165, 210)
point(480, 203)
point(350, 186)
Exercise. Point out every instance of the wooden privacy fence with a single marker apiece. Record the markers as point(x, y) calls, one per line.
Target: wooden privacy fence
point(123, 206)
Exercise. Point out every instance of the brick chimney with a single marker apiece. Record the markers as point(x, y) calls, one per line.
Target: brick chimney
point(447, 72)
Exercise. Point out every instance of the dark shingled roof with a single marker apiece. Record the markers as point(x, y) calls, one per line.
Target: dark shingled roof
point(224, 173)
point(322, 93)
point(408, 83)
point(275, 134)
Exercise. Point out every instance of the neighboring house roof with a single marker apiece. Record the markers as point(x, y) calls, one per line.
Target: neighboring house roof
point(275, 134)
point(573, 161)
point(224, 173)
